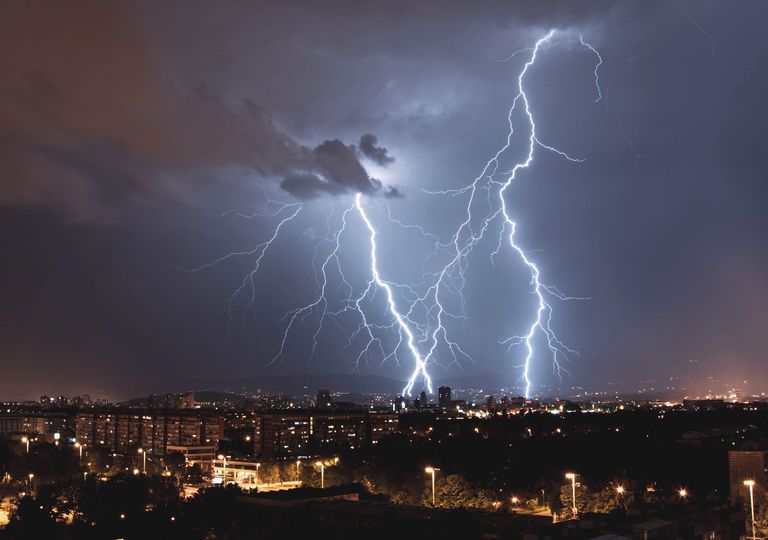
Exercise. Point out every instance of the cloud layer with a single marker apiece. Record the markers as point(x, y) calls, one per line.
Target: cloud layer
point(89, 121)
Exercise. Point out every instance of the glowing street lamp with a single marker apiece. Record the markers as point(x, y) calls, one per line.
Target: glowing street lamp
point(431, 470)
point(751, 485)
point(298, 473)
point(620, 490)
point(144, 459)
point(322, 473)
point(80, 449)
point(224, 474)
point(257, 473)
point(30, 476)
point(572, 477)
point(683, 493)
point(25, 440)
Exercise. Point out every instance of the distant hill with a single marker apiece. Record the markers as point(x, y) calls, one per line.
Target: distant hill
point(293, 385)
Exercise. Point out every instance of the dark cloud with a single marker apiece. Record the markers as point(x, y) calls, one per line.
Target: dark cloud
point(379, 154)
point(309, 186)
point(89, 122)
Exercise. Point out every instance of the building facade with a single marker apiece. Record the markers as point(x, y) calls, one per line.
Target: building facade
point(153, 430)
point(309, 432)
point(748, 465)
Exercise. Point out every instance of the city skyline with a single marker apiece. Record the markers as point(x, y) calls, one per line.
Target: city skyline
point(144, 141)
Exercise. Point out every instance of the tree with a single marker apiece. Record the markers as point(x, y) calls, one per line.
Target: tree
point(583, 499)
point(604, 501)
point(453, 491)
point(761, 519)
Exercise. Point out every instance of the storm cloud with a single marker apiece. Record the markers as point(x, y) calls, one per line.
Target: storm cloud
point(89, 121)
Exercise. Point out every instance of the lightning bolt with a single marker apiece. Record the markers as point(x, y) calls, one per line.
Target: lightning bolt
point(421, 316)
point(258, 252)
point(465, 237)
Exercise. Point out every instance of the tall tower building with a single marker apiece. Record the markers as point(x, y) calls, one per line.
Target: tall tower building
point(444, 396)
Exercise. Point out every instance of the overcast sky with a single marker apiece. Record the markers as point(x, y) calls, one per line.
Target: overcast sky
point(130, 131)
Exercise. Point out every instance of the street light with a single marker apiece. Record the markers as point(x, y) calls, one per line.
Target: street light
point(31, 476)
point(683, 493)
point(432, 470)
point(26, 441)
point(144, 460)
point(751, 485)
point(572, 477)
point(224, 458)
point(298, 474)
point(322, 473)
point(80, 449)
point(257, 474)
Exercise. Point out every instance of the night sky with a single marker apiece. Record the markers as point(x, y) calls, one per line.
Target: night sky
point(130, 131)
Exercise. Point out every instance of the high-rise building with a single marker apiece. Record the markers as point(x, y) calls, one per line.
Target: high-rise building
point(444, 396)
point(423, 399)
point(187, 400)
point(170, 401)
point(323, 399)
point(398, 404)
point(490, 403)
point(748, 465)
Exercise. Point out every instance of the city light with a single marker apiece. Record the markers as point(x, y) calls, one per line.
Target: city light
point(25, 440)
point(322, 473)
point(751, 485)
point(223, 458)
point(572, 477)
point(432, 470)
point(144, 460)
point(683, 493)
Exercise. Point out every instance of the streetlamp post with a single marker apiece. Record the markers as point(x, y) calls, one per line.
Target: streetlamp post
point(224, 474)
point(144, 460)
point(572, 478)
point(26, 441)
point(80, 449)
point(257, 474)
point(298, 474)
point(322, 473)
point(751, 485)
point(431, 471)
point(31, 476)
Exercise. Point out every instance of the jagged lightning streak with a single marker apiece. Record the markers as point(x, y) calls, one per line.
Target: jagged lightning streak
point(402, 324)
point(259, 252)
point(541, 322)
point(597, 66)
point(421, 319)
